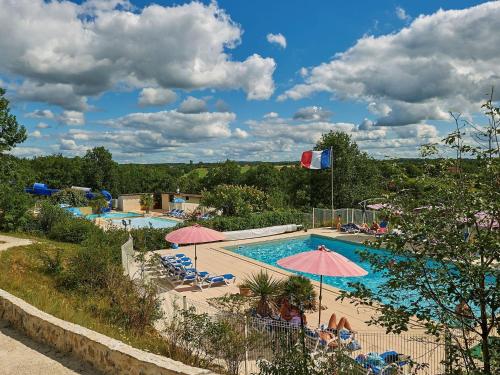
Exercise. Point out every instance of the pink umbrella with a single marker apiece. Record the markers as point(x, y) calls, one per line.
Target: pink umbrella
point(194, 234)
point(322, 262)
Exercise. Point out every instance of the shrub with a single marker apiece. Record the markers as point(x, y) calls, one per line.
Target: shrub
point(256, 220)
point(235, 200)
point(52, 262)
point(49, 215)
point(151, 238)
point(91, 264)
point(299, 289)
point(72, 229)
point(14, 208)
point(98, 203)
point(72, 197)
point(133, 307)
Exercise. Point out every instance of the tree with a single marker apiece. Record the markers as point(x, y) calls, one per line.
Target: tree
point(146, 202)
point(72, 197)
point(444, 259)
point(299, 290)
point(11, 133)
point(227, 173)
point(99, 169)
point(355, 176)
point(235, 200)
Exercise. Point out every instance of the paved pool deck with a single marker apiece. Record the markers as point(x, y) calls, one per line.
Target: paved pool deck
point(215, 259)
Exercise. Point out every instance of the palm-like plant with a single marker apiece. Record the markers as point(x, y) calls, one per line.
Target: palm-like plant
point(299, 290)
point(266, 289)
point(146, 202)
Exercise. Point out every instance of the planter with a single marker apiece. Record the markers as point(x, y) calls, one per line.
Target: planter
point(245, 292)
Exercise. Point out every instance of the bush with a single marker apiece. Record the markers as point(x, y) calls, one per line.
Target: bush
point(98, 203)
point(72, 197)
point(235, 200)
point(132, 307)
point(14, 208)
point(52, 262)
point(299, 289)
point(89, 267)
point(72, 229)
point(256, 220)
point(151, 238)
point(49, 215)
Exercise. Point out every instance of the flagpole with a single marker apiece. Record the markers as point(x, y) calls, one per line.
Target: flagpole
point(331, 168)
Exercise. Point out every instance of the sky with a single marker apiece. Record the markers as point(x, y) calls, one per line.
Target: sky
point(165, 81)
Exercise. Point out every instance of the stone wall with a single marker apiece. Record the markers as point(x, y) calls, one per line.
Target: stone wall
point(107, 355)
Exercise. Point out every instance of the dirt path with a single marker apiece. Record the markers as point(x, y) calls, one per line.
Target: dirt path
point(7, 242)
point(20, 355)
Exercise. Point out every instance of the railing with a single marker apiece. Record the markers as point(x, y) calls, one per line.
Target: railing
point(423, 354)
point(322, 217)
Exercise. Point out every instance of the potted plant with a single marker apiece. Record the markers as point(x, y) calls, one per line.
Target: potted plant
point(245, 291)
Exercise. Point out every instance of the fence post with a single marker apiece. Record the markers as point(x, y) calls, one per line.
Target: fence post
point(313, 219)
point(184, 303)
point(246, 341)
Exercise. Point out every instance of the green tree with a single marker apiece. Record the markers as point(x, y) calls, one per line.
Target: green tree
point(444, 259)
point(100, 169)
point(299, 290)
point(146, 202)
point(355, 175)
point(11, 133)
point(72, 197)
point(235, 200)
point(227, 173)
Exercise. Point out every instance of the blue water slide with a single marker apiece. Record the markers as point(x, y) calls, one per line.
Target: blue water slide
point(40, 189)
point(107, 195)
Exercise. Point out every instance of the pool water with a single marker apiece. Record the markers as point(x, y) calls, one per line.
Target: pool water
point(112, 215)
point(146, 222)
point(270, 252)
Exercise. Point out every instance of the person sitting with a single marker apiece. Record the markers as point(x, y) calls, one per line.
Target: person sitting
point(375, 227)
point(297, 319)
point(384, 224)
point(338, 222)
point(365, 228)
point(285, 310)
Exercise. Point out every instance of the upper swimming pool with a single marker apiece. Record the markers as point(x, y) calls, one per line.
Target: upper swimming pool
point(112, 215)
point(145, 222)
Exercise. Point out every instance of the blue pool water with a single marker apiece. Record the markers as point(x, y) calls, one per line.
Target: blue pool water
point(112, 215)
point(270, 252)
point(145, 222)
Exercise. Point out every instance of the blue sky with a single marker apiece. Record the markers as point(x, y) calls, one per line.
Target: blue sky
point(246, 80)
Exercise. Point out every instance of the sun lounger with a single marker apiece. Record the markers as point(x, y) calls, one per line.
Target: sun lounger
point(390, 362)
point(225, 279)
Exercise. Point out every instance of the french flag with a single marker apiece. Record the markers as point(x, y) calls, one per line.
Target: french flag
point(316, 159)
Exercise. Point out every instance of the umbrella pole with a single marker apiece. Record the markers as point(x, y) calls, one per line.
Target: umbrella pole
point(195, 259)
point(320, 297)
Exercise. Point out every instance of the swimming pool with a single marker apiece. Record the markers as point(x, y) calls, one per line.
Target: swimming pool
point(145, 222)
point(270, 252)
point(112, 215)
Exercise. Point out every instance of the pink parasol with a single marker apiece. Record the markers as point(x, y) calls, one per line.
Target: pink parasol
point(194, 234)
point(322, 262)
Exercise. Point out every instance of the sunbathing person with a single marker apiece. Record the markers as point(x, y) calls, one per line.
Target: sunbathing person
point(285, 310)
point(335, 327)
point(296, 317)
point(375, 227)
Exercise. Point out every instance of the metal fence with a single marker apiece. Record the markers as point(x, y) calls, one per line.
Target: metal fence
point(423, 354)
point(323, 217)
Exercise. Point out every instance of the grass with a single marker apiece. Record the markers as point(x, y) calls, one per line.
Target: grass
point(22, 275)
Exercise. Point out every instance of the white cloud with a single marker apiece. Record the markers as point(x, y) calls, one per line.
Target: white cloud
point(401, 14)
point(240, 133)
point(66, 52)
point(41, 113)
point(443, 62)
point(312, 113)
point(271, 115)
point(278, 39)
point(193, 105)
point(71, 118)
point(151, 96)
point(42, 125)
point(36, 134)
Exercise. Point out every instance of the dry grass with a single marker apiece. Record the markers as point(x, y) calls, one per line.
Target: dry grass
point(22, 275)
